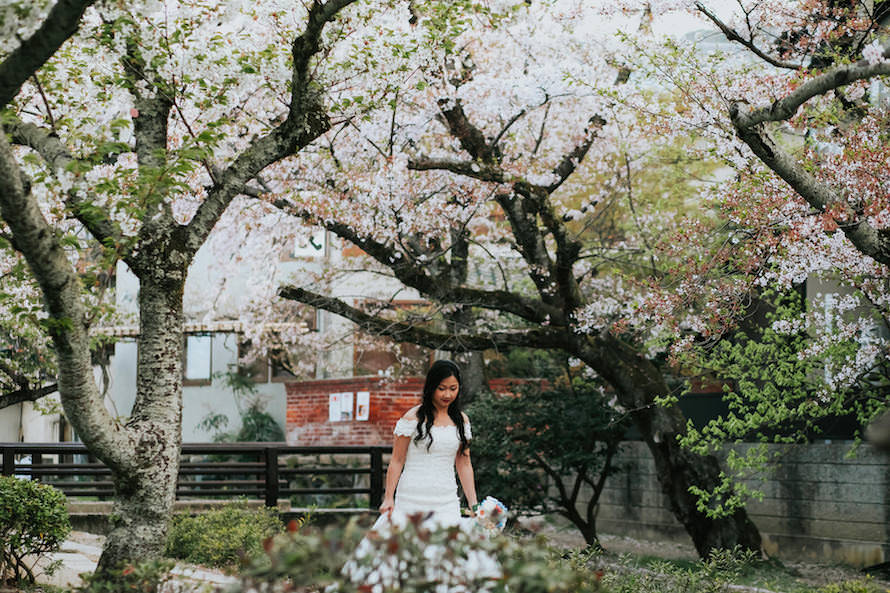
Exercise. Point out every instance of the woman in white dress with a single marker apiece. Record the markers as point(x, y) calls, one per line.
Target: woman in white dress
point(431, 442)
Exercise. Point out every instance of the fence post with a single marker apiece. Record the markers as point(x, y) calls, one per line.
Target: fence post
point(376, 498)
point(271, 454)
point(8, 461)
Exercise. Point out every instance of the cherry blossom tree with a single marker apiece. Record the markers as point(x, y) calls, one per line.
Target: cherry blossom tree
point(792, 98)
point(128, 131)
point(500, 185)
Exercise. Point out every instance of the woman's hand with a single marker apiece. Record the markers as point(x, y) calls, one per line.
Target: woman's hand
point(387, 506)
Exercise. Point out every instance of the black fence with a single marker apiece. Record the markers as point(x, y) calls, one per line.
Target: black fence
point(267, 471)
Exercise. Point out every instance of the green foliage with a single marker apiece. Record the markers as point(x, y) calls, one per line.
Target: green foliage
point(145, 577)
point(528, 363)
point(257, 425)
point(714, 575)
point(532, 450)
point(315, 558)
point(33, 522)
point(775, 393)
point(223, 536)
point(866, 585)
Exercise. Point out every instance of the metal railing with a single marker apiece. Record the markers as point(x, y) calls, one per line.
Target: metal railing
point(267, 471)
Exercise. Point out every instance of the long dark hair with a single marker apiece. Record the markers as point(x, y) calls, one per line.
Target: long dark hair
point(441, 370)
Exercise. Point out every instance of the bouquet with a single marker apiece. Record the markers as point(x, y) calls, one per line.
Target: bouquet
point(491, 514)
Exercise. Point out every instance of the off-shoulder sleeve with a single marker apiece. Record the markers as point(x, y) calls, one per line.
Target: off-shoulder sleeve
point(467, 430)
point(405, 427)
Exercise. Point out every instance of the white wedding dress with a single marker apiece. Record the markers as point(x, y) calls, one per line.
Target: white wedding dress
point(427, 483)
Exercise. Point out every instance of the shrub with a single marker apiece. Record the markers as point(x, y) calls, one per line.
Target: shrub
point(145, 577)
point(716, 574)
point(33, 522)
point(415, 558)
point(222, 536)
point(547, 450)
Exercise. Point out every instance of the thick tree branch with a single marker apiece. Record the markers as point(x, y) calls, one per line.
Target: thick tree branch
point(26, 395)
point(482, 172)
point(571, 161)
point(733, 35)
point(406, 332)
point(61, 290)
point(867, 239)
point(471, 138)
point(60, 24)
point(58, 158)
point(782, 109)
point(306, 120)
point(445, 290)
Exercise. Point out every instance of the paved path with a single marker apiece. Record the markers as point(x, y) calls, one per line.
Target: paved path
point(80, 553)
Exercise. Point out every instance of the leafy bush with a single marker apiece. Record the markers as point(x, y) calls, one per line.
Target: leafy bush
point(537, 450)
point(223, 536)
point(419, 558)
point(33, 522)
point(714, 575)
point(146, 577)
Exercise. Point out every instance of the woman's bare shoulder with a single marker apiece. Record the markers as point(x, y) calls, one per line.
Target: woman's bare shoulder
point(465, 417)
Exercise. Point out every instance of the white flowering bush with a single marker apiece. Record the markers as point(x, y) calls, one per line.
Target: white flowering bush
point(414, 557)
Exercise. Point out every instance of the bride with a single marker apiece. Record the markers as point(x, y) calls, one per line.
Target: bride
point(431, 441)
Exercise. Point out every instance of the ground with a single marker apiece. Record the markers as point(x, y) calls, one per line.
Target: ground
point(81, 551)
point(562, 533)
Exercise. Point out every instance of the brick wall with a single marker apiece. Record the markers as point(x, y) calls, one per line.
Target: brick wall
point(307, 409)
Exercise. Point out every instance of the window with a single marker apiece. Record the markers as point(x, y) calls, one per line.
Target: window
point(198, 359)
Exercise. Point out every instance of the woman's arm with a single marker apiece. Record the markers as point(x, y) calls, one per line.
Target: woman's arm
point(465, 474)
point(396, 464)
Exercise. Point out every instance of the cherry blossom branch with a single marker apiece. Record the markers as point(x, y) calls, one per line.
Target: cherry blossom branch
point(570, 161)
point(26, 395)
point(61, 290)
point(782, 109)
point(733, 35)
point(406, 332)
point(439, 287)
point(474, 170)
point(24, 391)
point(306, 120)
point(58, 26)
point(527, 201)
point(749, 127)
point(58, 158)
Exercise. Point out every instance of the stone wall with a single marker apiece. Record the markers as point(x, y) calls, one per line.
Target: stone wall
point(818, 503)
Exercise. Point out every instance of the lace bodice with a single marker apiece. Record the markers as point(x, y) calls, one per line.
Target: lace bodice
point(427, 482)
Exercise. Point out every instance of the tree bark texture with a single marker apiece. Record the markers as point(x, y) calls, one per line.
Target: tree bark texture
point(637, 383)
point(145, 492)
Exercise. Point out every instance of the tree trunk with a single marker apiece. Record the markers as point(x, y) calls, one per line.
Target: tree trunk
point(146, 488)
point(472, 366)
point(638, 383)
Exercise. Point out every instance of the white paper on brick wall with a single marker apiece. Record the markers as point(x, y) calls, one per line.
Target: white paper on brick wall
point(334, 407)
point(362, 405)
point(346, 406)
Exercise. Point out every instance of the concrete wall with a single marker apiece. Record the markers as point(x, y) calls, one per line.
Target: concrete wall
point(818, 504)
point(22, 422)
point(197, 400)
